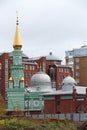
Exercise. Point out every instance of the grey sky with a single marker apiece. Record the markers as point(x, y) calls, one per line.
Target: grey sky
point(45, 25)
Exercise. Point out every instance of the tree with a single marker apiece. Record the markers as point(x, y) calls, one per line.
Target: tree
point(18, 112)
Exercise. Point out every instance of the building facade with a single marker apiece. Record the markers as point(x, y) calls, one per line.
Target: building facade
point(40, 96)
point(77, 58)
point(52, 66)
point(70, 99)
point(4, 73)
point(80, 70)
point(49, 64)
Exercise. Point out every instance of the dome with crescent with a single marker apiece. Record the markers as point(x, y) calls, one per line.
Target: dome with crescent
point(68, 83)
point(41, 82)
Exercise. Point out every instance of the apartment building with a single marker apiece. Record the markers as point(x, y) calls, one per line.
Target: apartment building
point(77, 59)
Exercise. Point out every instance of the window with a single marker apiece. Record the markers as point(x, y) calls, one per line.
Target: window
point(70, 59)
point(26, 75)
point(26, 82)
point(44, 66)
point(77, 73)
point(77, 66)
point(77, 59)
point(58, 102)
point(59, 70)
point(77, 80)
point(16, 61)
point(26, 67)
point(16, 82)
point(52, 73)
point(67, 70)
point(53, 85)
point(32, 67)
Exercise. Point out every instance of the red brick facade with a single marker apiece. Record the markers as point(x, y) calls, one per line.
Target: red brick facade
point(64, 104)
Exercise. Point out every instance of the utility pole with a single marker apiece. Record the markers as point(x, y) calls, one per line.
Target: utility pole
point(28, 92)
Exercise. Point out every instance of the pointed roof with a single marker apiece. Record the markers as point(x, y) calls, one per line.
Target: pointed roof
point(17, 39)
point(10, 79)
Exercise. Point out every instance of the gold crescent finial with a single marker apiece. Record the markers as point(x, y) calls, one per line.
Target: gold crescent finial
point(17, 22)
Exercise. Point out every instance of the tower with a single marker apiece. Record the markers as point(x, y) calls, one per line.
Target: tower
point(15, 91)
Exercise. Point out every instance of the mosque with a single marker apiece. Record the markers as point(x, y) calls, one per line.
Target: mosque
point(40, 97)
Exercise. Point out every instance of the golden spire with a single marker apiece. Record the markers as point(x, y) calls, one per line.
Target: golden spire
point(17, 40)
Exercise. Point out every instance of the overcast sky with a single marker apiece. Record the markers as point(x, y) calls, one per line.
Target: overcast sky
point(45, 25)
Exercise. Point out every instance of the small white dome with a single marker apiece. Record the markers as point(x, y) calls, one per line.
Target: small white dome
point(41, 82)
point(52, 57)
point(68, 83)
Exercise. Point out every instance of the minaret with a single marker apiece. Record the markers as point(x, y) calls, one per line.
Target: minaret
point(17, 69)
point(15, 91)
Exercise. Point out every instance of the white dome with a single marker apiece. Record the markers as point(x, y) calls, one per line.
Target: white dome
point(40, 82)
point(51, 57)
point(40, 78)
point(68, 83)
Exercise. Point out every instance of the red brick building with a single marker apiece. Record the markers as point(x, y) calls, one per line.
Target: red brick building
point(4, 73)
point(70, 99)
point(51, 65)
